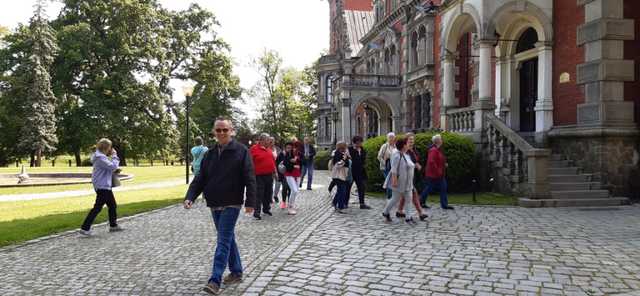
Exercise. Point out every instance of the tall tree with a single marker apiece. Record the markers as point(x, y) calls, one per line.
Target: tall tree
point(287, 97)
point(38, 134)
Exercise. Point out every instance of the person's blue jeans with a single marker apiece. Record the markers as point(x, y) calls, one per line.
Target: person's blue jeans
point(432, 185)
point(307, 169)
point(386, 173)
point(226, 248)
point(340, 199)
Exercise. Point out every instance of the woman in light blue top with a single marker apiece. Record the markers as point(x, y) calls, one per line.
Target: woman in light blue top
point(198, 154)
point(400, 180)
point(105, 162)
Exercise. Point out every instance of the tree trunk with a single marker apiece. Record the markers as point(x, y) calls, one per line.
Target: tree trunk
point(121, 155)
point(38, 157)
point(76, 153)
point(32, 159)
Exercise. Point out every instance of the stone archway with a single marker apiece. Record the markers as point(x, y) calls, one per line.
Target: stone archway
point(514, 22)
point(373, 117)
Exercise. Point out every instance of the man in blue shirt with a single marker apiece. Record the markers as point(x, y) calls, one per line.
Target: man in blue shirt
point(198, 153)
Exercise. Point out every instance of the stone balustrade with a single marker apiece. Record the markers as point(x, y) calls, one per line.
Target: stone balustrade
point(461, 120)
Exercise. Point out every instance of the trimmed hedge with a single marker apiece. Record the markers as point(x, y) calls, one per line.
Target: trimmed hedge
point(321, 160)
point(459, 150)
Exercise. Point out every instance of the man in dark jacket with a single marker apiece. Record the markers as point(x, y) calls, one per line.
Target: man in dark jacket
point(358, 171)
point(308, 153)
point(226, 171)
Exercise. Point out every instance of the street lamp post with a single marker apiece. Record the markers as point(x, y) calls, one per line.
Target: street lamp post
point(188, 91)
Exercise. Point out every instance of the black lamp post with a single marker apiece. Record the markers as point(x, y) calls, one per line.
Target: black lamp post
point(188, 91)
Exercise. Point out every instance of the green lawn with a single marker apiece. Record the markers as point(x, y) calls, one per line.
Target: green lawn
point(483, 198)
point(24, 220)
point(141, 175)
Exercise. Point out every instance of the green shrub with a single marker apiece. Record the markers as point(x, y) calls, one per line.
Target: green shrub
point(459, 150)
point(321, 160)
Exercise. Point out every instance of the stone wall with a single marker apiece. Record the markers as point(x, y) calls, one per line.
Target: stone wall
point(613, 159)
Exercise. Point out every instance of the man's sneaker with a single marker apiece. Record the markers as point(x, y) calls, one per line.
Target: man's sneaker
point(400, 215)
point(448, 208)
point(364, 207)
point(257, 217)
point(267, 212)
point(291, 211)
point(115, 228)
point(387, 218)
point(232, 278)
point(212, 288)
point(87, 233)
point(410, 221)
point(309, 188)
point(423, 217)
point(283, 205)
point(425, 206)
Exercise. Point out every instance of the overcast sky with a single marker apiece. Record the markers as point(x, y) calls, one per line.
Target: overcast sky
point(298, 29)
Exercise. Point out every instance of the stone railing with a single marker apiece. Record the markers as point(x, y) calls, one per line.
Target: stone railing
point(461, 120)
point(371, 80)
point(526, 167)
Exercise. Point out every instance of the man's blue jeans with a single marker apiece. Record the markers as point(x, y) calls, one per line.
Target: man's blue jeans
point(307, 169)
point(435, 184)
point(226, 249)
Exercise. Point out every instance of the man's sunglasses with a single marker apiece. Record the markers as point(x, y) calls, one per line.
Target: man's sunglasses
point(219, 131)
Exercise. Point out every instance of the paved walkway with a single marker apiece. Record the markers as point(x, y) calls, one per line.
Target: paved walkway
point(469, 251)
point(85, 192)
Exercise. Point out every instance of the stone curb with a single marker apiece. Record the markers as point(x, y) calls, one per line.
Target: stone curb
point(10, 248)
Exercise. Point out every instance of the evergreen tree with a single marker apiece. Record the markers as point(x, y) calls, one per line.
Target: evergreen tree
point(38, 134)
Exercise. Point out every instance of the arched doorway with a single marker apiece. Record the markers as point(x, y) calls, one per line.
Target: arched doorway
point(528, 78)
point(372, 118)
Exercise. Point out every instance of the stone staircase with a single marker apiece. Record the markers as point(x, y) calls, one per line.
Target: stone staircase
point(569, 187)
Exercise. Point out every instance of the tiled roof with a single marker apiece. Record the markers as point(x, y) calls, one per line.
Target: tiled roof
point(358, 24)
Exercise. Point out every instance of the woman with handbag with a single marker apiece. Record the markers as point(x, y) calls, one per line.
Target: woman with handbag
point(340, 175)
point(105, 163)
point(281, 169)
point(400, 180)
point(293, 164)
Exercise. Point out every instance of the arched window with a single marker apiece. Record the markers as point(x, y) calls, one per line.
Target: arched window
point(429, 45)
point(414, 50)
point(328, 89)
point(373, 123)
point(418, 111)
point(387, 62)
point(527, 40)
point(394, 61)
point(422, 46)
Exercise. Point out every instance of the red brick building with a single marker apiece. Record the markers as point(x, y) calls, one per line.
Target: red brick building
point(547, 89)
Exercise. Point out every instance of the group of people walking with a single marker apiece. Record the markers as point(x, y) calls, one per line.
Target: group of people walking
point(231, 177)
point(400, 165)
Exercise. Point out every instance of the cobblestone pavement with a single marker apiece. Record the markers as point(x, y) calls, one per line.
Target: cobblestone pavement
point(469, 251)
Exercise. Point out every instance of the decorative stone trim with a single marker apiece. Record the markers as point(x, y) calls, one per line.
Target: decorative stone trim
point(605, 70)
point(607, 29)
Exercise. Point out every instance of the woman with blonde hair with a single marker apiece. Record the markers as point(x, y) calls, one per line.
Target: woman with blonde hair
point(340, 174)
point(105, 162)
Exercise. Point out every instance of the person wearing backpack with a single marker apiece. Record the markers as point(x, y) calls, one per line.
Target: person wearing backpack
point(197, 153)
point(384, 157)
point(435, 178)
point(340, 174)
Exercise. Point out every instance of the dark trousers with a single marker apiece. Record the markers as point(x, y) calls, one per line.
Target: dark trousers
point(227, 252)
point(435, 184)
point(103, 197)
point(285, 188)
point(332, 184)
point(264, 192)
point(340, 199)
point(359, 181)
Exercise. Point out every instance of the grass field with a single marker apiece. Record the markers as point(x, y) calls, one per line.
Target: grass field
point(483, 198)
point(24, 220)
point(141, 175)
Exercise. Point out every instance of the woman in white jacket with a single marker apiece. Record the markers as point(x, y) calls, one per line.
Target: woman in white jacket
point(400, 180)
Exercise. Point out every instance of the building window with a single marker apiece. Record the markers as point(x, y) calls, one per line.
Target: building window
point(328, 92)
point(429, 46)
point(387, 61)
point(393, 58)
point(414, 50)
point(422, 46)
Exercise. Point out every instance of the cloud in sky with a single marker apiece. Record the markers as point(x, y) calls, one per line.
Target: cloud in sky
point(298, 29)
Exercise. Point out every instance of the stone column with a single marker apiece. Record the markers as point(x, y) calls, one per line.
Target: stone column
point(544, 104)
point(604, 72)
point(448, 93)
point(485, 102)
point(346, 119)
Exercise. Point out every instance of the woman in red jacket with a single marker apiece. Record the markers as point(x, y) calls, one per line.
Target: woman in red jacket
point(293, 162)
